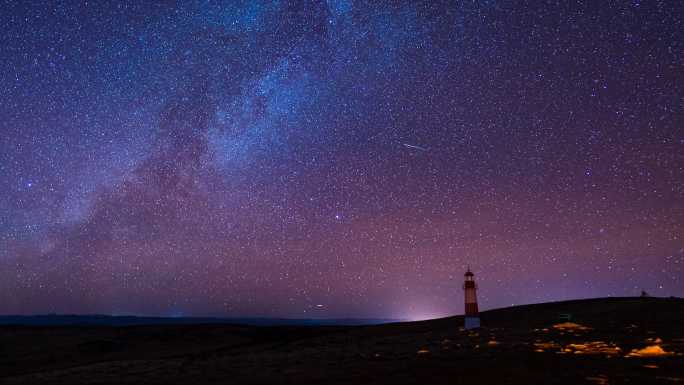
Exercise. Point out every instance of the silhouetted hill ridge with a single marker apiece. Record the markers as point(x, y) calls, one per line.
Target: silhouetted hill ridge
point(521, 341)
point(109, 320)
point(535, 313)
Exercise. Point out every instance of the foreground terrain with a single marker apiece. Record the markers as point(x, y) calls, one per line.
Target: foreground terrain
point(606, 341)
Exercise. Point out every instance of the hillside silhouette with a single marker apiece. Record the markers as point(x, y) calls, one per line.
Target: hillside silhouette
point(600, 341)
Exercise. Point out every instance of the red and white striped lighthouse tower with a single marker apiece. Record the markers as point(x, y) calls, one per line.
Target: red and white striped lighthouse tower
point(472, 317)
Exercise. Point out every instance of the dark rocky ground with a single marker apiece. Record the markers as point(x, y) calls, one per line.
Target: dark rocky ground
point(518, 345)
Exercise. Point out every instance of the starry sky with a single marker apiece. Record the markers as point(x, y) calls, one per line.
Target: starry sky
point(318, 159)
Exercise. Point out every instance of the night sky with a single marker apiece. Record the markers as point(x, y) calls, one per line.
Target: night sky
point(339, 158)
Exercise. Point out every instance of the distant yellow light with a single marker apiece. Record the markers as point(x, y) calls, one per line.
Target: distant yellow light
point(595, 347)
point(570, 326)
point(599, 380)
point(592, 347)
point(540, 346)
point(649, 351)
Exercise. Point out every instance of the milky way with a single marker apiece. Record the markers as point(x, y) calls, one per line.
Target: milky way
point(337, 159)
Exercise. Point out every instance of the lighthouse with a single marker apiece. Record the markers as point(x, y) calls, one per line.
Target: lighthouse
point(472, 317)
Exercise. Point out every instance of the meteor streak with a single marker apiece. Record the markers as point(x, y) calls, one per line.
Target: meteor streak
point(415, 147)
